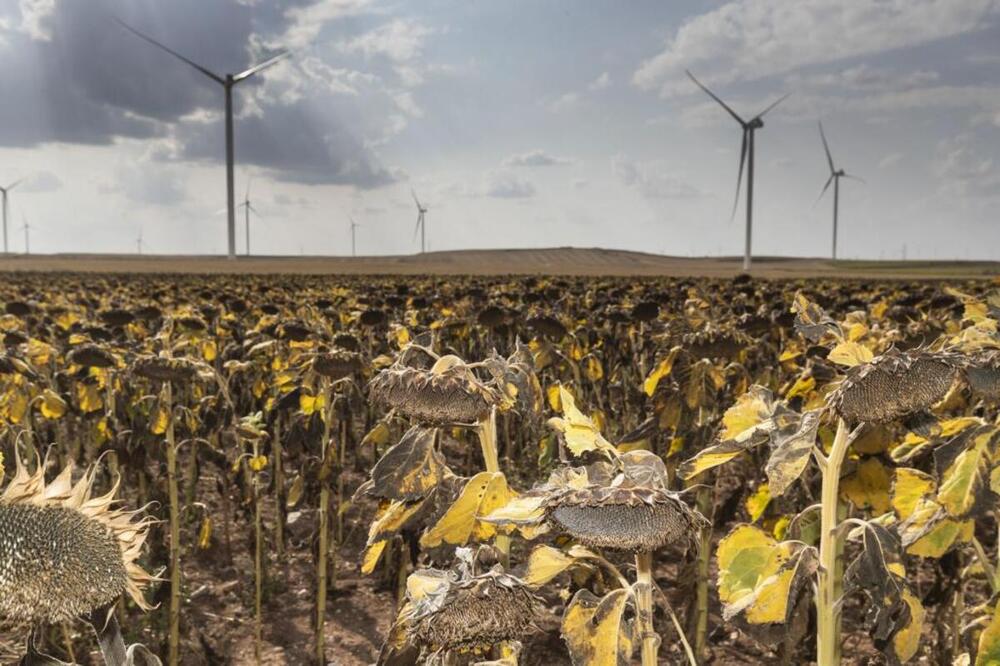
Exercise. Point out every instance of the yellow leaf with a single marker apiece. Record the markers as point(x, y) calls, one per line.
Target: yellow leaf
point(906, 642)
point(850, 354)
point(484, 493)
point(593, 369)
point(750, 410)
point(545, 563)
point(661, 370)
point(580, 433)
point(802, 387)
point(258, 463)
point(757, 574)
point(757, 502)
point(205, 533)
point(161, 419)
point(295, 492)
point(963, 480)
point(552, 393)
point(209, 350)
point(908, 488)
point(52, 407)
point(372, 555)
point(595, 630)
point(310, 404)
point(88, 397)
point(989, 642)
point(868, 486)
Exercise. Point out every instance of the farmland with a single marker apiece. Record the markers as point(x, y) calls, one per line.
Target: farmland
point(336, 463)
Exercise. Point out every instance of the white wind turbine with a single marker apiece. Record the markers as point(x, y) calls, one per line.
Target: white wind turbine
point(27, 241)
point(138, 242)
point(746, 156)
point(3, 195)
point(227, 82)
point(421, 222)
point(247, 208)
point(354, 244)
point(835, 176)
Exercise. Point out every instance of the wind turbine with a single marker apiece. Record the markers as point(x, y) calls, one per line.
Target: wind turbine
point(835, 176)
point(138, 242)
point(26, 227)
point(247, 207)
point(3, 196)
point(227, 82)
point(421, 225)
point(746, 156)
point(354, 228)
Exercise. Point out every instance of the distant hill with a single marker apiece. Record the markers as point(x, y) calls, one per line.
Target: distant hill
point(544, 261)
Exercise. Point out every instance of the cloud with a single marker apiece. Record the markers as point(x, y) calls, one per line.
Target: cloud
point(890, 160)
point(600, 83)
point(148, 186)
point(79, 78)
point(565, 102)
point(401, 41)
point(652, 180)
point(964, 170)
point(746, 40)
point(534, 158)
point(42, 181)
point(864, 77)
point(506, 185)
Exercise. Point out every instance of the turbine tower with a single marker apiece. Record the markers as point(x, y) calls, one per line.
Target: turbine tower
point(354, 229)
point(227, 82)
point(835, 176)
point(3, 196)
point(138, 242)
point(247, 207)
point(421, 224)
point(27, 241)
point(746, 157)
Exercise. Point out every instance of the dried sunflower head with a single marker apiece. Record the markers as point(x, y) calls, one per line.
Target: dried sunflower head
point(894, 385)
point(91, 356)
point(474, 614)
point(176, 370)
point(982, 372)
point(628, 508)
point(336, 364)
point(63, 552)
point(447, 393)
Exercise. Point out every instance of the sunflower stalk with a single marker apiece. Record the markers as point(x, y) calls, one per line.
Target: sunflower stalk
point(173, 639)
point(324, 529)
point(830, 575)
point(487, 431)
point(644, 602)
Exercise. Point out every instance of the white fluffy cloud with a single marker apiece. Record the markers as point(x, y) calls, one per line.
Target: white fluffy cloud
point(652, 180)
point(534, 158)
point(752, 39)
point(506, 185)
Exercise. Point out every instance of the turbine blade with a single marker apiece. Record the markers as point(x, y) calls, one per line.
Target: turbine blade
point(852, 177)
point(12, 185)
point(773, 104)
point(222, 210)
point(249, 179)
point(825, 188)
point(246, 74)
point(826, 147)
point(254, 210)
point(716, 98)
point(415, 199)
point(207, 72)
point(739, 176)
point(420, 219)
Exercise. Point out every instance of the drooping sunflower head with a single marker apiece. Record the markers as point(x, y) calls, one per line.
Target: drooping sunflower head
point(894, 385)
point(336, 363)
point(629, 509)
point(176, 370)
point(475, 614)
point(63, 552)
point(447, 393)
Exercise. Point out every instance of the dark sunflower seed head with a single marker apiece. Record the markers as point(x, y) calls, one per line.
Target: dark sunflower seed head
point(56, 564)
point(982, 373)
point(176, 370)
point(625, 519)
point(91, 356)
point(480, 613)
point(452, 396)
point(336, 364)
point(894, 385)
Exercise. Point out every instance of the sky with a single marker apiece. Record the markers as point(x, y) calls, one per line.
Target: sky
point(518, 123)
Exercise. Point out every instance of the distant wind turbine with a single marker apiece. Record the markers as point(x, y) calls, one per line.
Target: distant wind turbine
point(138, 242)
point(3, 196)
point(27, 241)
point(835, 176)
point(227, 82)
point(354, 229)
point(421, 222)
point(746, 156)
point(247, 208)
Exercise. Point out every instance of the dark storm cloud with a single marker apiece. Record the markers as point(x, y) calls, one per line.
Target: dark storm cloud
point(78, 77)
